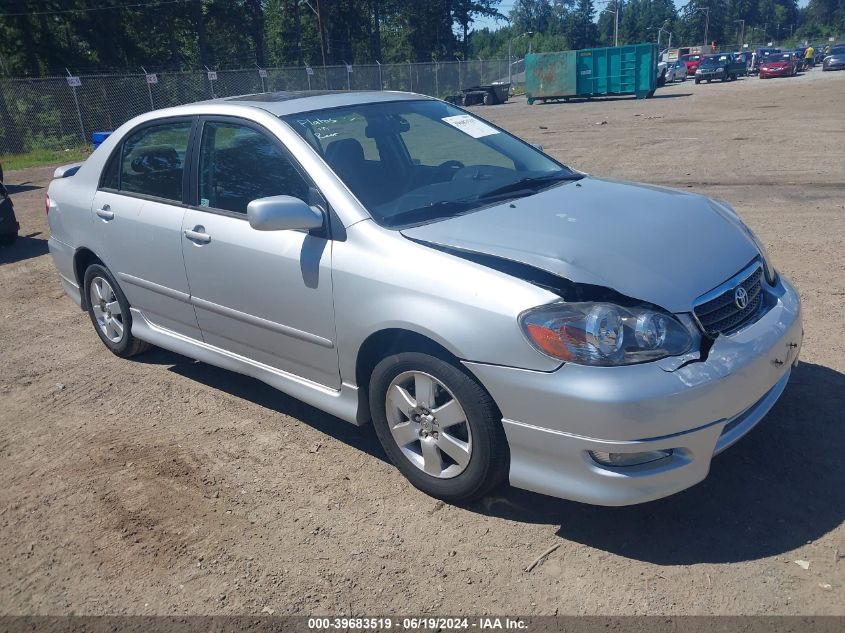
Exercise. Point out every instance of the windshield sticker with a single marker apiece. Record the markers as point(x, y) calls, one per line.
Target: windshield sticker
point(469, 125)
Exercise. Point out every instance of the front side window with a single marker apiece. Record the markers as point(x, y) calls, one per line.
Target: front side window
point(412, 162)
point(239, 164)
point(153, 160)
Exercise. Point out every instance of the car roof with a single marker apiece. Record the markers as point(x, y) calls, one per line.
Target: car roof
point(294, 102)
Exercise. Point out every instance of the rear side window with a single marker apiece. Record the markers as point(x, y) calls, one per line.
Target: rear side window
point(153, 160)
point(239, 164)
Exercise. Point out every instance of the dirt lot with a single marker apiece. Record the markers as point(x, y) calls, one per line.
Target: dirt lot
point(166, 486)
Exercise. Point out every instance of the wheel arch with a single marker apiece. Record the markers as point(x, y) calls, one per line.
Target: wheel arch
point(383, 343)
point(82, 259)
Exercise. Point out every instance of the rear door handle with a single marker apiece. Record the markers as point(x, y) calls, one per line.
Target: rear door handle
point(198, 235)
point(105, 213)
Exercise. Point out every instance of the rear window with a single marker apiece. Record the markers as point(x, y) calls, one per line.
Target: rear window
point(152, 160)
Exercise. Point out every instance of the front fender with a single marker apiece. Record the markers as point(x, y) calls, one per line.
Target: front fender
point(383, 280)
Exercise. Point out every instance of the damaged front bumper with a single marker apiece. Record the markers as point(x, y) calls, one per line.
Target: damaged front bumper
point(554, 420)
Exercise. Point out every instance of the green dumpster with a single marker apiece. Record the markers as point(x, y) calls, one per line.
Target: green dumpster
point(592, 72)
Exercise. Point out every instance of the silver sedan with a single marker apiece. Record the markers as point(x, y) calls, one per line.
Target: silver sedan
point(388, 257)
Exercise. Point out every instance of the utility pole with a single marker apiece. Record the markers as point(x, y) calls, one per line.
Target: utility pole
point(616, 24)
point(615, 12)
point(742, 33)
point(510, 52)
point(319, 15)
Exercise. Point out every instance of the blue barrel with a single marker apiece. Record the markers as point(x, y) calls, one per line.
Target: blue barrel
point(99, 137)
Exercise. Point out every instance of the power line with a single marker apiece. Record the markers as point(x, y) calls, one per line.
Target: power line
point(88, 9)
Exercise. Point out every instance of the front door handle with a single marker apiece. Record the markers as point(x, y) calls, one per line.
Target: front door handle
point(105, 213)
point(198, 235)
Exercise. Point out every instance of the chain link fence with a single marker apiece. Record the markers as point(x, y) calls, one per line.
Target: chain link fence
point(61, 112)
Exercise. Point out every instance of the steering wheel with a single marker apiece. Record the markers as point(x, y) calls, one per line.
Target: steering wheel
point(451, 164)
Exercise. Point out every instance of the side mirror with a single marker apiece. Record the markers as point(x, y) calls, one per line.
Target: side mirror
point(281, 213)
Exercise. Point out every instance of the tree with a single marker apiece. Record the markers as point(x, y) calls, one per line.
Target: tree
point(531, 15)
point(464, 13)
point(581, 30)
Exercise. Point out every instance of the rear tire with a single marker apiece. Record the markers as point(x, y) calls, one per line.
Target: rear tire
point(109, 312)
point(8, 239)
point(455, 454)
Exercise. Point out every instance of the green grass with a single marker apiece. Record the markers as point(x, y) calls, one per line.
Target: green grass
point(40, 156)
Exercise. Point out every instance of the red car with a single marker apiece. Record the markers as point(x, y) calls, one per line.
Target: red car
point(779, 65)
point(692, 61)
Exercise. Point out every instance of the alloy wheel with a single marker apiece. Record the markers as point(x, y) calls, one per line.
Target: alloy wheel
point(428, 424)
point(106, 309)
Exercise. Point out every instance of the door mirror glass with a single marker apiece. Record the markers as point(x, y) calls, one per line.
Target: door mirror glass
point(280, 213)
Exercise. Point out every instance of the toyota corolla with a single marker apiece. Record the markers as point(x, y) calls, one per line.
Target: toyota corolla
point(389, 257)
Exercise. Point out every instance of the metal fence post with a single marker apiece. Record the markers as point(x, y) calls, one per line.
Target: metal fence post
point(380, 80)
point(262, 73)
point(410, 77)
point(211, 77)
point(149, 87)
point(72, 85)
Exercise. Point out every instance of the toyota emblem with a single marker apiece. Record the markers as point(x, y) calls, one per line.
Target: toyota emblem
point(741, 297)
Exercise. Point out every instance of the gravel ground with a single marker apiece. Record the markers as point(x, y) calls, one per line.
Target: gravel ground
point(166, 486)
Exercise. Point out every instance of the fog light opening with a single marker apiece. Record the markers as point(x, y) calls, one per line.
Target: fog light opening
point(621, 460)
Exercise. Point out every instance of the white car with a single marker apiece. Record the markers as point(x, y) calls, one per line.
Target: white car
point(676, 71)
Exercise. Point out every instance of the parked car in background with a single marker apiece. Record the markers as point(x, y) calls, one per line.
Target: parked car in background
point(662, 69)
point(760, 54)
point(779, 65)
point(722, 66)
point(835, 58)
point(691, 61)
point(496, 314)
point(677, 71)
point(745, 58)
point(9, 226)
point(671, 71)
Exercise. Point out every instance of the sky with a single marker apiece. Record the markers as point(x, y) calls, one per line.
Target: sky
point(506, 6)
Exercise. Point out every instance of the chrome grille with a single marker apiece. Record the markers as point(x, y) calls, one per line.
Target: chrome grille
point(717, 311)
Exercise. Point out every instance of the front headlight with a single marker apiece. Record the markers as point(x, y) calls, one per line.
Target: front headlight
point(604, 334)
point(720, 70)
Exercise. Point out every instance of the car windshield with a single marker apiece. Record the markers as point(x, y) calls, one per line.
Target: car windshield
point(837, 50)
point(709, 62)
point(691, 58)
point(416, 161)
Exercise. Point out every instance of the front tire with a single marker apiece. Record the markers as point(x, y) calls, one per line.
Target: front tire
point(438, 426)
point(109, 312)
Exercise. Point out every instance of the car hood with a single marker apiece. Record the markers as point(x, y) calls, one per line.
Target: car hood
point(650, 243)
